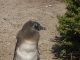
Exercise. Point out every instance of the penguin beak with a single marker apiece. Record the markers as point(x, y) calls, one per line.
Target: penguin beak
point(42, 28)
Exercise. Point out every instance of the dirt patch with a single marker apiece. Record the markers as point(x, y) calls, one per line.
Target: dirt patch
point(14, 13)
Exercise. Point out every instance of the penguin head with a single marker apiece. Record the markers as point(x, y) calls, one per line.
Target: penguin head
point(37, 26)
point(32, 25)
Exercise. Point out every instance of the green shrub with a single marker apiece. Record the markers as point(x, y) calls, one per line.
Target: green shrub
point(69, 27)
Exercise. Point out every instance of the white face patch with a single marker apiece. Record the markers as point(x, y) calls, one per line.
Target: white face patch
point(27, 51)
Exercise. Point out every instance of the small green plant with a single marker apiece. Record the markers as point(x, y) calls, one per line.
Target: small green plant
point(69, 27)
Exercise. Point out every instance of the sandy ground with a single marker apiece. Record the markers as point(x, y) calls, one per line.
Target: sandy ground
point(14, 13)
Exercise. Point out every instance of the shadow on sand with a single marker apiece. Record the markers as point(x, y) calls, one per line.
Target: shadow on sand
point(56, 49)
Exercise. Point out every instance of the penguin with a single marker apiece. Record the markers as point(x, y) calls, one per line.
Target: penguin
point(27, 41)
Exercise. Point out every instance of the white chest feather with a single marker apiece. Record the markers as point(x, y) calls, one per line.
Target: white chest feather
point(27, 51)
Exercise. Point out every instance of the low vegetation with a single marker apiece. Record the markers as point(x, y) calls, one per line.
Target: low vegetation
point(69, 29)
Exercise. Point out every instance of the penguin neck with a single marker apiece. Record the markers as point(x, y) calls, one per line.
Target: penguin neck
point(31, 34)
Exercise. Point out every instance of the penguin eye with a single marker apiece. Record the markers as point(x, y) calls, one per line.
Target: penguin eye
point(36, 26)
